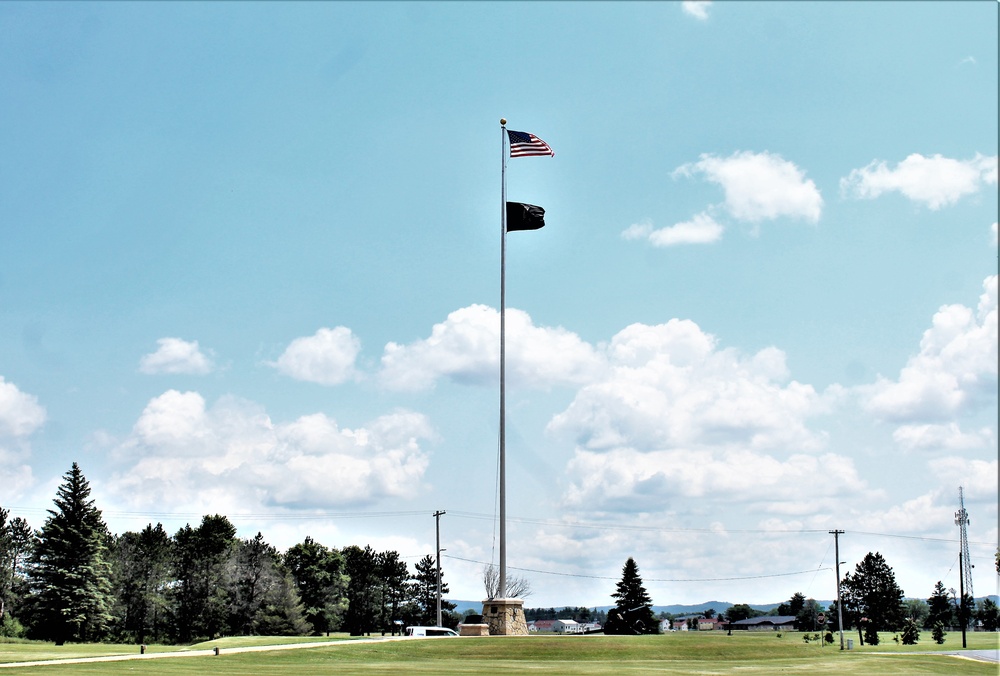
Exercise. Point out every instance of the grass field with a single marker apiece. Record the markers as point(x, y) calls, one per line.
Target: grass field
point(679, 653)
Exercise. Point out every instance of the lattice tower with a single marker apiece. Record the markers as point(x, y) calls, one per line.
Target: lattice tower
point(962, 520)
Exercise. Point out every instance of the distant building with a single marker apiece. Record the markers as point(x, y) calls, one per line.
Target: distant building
point(567, 627)
point(541, 625)
point(710, 624)
point(765, 623)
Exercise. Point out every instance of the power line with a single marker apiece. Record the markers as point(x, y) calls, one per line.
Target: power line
point(646, 579)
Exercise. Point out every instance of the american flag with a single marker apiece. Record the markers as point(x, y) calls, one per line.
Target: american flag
point(523, 144)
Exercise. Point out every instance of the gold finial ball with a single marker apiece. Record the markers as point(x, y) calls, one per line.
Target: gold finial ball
point(503, 120)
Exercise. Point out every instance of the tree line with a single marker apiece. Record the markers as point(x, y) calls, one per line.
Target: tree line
point(74, 581)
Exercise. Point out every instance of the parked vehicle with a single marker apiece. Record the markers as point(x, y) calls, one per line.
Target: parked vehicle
point(430, 631)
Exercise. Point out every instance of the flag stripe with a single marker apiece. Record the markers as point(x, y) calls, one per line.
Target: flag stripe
point(523, 144)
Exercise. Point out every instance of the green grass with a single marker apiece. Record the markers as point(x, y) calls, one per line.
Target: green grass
point(679, 653)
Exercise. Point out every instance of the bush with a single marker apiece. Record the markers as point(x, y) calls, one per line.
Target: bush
point(10, 627)
point(937, 633)
point(911, 634)
point(829, 637)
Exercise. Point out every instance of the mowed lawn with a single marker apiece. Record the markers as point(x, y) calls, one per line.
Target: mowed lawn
point(678, 653)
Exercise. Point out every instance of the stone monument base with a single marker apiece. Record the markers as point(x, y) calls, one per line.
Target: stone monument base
point(505, 617)
point(473, 630)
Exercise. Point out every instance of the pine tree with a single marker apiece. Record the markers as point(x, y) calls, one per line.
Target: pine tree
point(69, 571)
point(941, 609)
point(873, 597)
point(633, 612)
point(321, 582)
point(937, 633)
point(141, 575)
point(199, 595)
point(425, 591)
point(911, 632)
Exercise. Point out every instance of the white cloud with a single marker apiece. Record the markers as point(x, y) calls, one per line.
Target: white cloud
point(993, 229)
point(668, 386)
point(978, 478)
point(697, 8)
point(955, 369)
point(941, 437)
point(184, 455)
point(702, 229)
point(176, 356)
point(20, 416)
point(465, 348)
point(660, 480)
point(327, 357)
point(759, 186)
point(935, 181)
point(20, 413)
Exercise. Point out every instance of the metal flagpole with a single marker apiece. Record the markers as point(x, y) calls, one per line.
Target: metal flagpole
point(502, 593)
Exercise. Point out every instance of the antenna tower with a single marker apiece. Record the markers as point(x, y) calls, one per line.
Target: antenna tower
point(962, 520)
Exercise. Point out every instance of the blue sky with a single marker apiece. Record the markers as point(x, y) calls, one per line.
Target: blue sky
point(249, 264)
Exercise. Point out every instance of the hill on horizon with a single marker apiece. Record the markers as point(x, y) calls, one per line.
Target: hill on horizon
point(676, 609)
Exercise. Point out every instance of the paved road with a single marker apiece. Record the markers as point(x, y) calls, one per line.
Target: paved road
point(201, 653)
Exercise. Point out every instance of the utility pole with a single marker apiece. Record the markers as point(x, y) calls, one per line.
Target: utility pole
point(437, 548)
point(840, 605)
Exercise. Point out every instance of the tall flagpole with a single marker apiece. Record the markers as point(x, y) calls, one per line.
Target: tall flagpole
point(502, 593)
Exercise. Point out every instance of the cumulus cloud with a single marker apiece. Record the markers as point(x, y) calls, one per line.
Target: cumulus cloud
point(465, 348)
point(956, 368)
point(941, 437)
point(669, 386)
point(20, 416)
point(697, 8)
point(935, 181)
point(175, 355)
point(759, 186)
point(327, 357)
point(659, 480)
point(184, 454)
point(20, 413)
point(978, 478)
point(702, 229)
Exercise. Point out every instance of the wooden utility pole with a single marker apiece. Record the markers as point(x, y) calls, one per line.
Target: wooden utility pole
point(437, 552)
point(840, 605)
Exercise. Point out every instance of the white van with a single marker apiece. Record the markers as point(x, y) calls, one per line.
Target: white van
point(430, 631)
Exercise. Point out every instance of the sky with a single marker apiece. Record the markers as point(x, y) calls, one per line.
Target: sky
point(250, 265)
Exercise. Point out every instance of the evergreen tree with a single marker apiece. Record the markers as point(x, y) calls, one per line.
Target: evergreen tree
point(873, 597)
point(318, 574)
point(425, 591)
point(937, 633)
point(362, 590)
point(141, 575)
point(794, 605)
point(941, 609)
point(199, 595)
point(16, 539)
point(395, 588)
point(69, 572)
point(911, 632)
point(989, 614)
point(633, 612)
point(254, 575)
